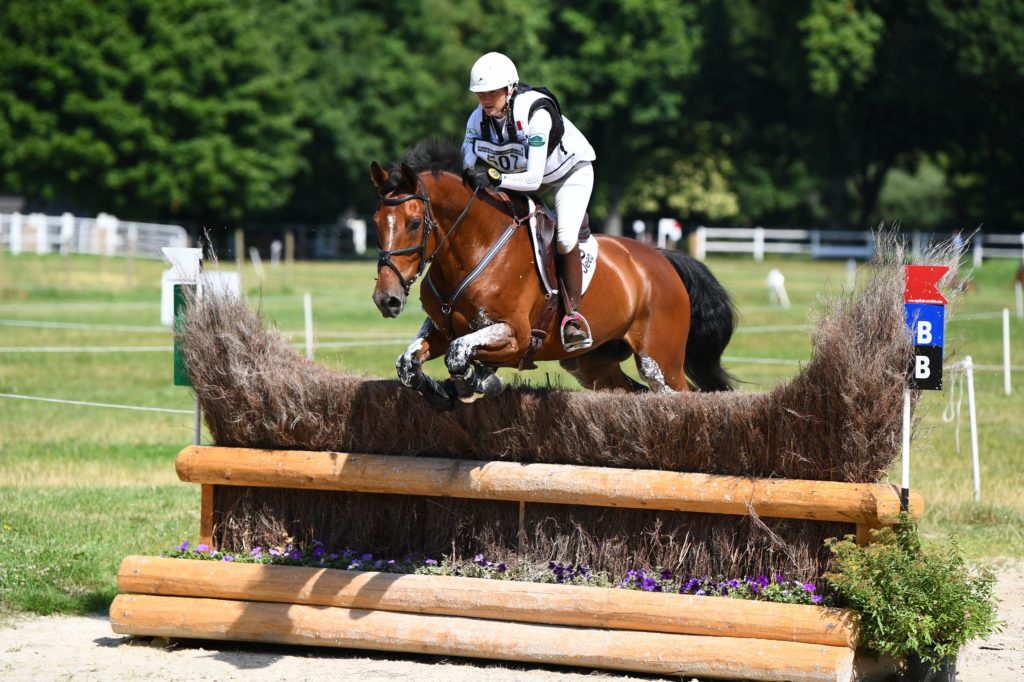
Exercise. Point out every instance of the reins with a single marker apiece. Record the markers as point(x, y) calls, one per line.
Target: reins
point(431, 224)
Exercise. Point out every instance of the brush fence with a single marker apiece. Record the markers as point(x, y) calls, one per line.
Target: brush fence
point(667, 634)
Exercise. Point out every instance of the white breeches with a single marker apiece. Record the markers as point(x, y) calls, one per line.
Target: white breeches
point(572, 195)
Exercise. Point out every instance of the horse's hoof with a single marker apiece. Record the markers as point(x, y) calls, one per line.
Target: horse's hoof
point(439, 395)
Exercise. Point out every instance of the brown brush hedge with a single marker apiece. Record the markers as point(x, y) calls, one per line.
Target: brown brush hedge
point(838, 419)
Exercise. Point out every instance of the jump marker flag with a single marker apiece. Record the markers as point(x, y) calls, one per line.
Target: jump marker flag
point(186, 266)
point(925, 308)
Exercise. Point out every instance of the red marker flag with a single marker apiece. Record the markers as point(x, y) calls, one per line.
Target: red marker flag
point(921, 281)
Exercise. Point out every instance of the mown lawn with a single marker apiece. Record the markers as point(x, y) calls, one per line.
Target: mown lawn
point(81, 486)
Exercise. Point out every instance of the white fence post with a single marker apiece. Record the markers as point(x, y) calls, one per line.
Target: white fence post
point(15, 233)
point(1006, 351)
point(37, 221)
point(698, 244)
point(969, 368)
point(759, 244)
point(978, 252)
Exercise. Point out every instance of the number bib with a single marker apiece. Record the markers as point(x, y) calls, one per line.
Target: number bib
point(508, 158)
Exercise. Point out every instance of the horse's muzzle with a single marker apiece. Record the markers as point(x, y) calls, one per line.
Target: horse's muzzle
point(389, 303)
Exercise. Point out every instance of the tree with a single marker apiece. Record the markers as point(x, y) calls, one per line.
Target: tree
point(146, 108)
point(624, 67)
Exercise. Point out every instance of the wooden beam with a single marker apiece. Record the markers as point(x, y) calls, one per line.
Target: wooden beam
point(206, 509)
point(493, 599)
point(869, 503)
point(647, 652)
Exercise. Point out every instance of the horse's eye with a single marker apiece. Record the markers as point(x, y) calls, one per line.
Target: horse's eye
point(414, 224)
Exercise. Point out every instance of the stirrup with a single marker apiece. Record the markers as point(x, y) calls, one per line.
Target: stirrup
point(579, 344)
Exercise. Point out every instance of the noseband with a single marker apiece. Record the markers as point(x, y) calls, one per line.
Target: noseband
point(429, 225)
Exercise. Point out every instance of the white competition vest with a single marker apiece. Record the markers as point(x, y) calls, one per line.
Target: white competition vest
point(509, 156)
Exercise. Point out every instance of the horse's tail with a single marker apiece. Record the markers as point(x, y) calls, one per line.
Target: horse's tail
point(712, 321)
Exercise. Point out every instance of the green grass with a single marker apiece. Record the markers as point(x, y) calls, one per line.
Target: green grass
point(81, 487)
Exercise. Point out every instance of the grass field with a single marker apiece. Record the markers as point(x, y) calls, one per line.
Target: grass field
point(81, 486)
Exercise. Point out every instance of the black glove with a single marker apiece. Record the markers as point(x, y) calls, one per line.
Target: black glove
point(485, 178)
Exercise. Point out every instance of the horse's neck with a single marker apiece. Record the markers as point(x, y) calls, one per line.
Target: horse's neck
point(480, 229)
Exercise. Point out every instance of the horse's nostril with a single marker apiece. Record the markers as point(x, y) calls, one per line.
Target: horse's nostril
point(393, 303)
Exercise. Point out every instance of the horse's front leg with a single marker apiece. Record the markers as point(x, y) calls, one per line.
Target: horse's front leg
point(429, 343)
point(472, 379)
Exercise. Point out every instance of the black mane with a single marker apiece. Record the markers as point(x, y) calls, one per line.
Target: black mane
point(434, 154)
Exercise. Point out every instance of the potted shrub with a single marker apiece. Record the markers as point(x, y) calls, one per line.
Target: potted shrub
point(918, 601)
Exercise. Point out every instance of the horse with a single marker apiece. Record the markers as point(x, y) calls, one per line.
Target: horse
point(483, 295)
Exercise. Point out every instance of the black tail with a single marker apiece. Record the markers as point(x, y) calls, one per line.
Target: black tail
point(712, 321)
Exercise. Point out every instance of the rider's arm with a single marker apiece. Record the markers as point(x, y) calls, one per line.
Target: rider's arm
point(472, 134)
point(536, 158)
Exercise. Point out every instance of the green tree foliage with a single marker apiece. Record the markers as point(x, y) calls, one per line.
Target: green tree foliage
point(146, 108)
point(766, 111)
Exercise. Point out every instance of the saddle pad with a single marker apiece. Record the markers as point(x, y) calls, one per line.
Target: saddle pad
point(588, 254)
point(588, 251)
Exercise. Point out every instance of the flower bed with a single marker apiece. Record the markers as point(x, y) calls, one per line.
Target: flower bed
point(776, 589)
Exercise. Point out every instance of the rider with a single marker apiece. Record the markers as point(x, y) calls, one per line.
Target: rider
point(529, 146)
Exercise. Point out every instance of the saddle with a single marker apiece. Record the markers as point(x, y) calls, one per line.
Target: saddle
point(542, 237)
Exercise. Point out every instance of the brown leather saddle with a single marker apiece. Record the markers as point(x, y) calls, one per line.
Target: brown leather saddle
point(542, 239)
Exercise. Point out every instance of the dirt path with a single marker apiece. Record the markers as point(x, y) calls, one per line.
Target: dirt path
point(86, 649)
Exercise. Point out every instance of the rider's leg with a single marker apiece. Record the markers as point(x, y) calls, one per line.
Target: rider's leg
point(572, 195)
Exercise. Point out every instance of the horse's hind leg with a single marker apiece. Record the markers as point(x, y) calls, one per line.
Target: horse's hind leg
point(600, 369)
point(660, 363)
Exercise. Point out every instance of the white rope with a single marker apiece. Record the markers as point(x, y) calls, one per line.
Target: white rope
point(90, 404)
point(953, 409)
point(42, 324)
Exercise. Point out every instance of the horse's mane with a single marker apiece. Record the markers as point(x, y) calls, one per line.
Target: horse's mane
point(438, 155)
point(434, 154)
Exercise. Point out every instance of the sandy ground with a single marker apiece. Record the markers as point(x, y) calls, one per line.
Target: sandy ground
point(86, 649)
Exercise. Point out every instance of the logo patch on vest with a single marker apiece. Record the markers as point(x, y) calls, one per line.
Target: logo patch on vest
point(537, 141)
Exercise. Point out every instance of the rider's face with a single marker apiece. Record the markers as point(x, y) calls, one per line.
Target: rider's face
point(493, 101)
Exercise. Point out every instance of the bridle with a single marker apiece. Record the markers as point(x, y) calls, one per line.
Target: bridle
point(429, 224)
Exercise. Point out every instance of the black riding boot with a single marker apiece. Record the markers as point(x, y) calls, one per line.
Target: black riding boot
point(575, 329)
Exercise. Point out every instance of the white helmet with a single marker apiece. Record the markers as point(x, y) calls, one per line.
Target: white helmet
point(493, 71)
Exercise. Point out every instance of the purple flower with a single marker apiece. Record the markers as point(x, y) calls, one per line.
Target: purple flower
point(274, 552)
point(816, 599)
point(733, 583)
point(367, 557)
point(501, 568)
point(650, 586)
point(762, 580)
point(295, 555)
point(430, 562)
point(479, 559)
point(319, 551)
point(183, 547)
point(809, 587)
point(256, 551)
point(391, 562)
point(202, 547)
point(228, 557)
point(779, 578)
point(666, 574)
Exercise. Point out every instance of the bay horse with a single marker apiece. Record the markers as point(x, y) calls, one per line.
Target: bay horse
point(483, 295)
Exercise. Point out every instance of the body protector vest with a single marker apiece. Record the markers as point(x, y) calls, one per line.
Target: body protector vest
point(505, 144)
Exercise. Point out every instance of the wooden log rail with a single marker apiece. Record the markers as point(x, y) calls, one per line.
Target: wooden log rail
point(654, 633)
point(575, 605)
point(869, 505)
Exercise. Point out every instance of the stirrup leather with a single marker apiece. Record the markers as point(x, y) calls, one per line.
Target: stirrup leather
point(586, 342)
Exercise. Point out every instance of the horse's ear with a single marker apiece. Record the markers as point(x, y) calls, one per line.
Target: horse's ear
point(378, 175)
point(408, 177)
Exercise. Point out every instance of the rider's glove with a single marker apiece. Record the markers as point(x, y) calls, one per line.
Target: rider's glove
point(486, 178)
